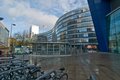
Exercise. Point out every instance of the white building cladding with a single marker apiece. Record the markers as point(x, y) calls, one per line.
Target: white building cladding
point(4, 35)
point(76, 27)
point(34, 29)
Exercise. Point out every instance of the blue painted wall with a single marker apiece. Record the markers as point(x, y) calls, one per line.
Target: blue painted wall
point(99, 9)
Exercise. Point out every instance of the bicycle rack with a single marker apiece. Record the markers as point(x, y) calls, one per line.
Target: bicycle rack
point(16, 69)
point(46, 75)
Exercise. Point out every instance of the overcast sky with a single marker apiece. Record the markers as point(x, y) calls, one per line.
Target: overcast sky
point(24, 13)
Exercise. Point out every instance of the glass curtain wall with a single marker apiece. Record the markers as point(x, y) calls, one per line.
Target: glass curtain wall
point(51, 48)
point(114, 31)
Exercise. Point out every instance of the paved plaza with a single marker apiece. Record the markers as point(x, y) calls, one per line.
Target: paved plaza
point(102, 66)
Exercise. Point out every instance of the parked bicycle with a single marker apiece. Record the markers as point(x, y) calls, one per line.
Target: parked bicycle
point(54, 75)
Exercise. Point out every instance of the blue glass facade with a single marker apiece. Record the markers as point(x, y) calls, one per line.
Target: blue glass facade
point(76, 27)
point(114, 31)
point(99, 9)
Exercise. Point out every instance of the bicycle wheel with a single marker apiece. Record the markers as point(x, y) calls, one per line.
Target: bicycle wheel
point(64, 76)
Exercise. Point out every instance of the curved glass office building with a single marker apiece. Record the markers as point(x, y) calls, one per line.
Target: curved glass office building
point(76, 27)
point(51, 35)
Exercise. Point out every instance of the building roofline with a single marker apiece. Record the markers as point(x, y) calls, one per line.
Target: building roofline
point(6, 29)
point(72, 11)
point(2, 25)
point(113, 11)
point(61, 17)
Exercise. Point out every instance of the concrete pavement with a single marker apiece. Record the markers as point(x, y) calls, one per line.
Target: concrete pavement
point(82, 66)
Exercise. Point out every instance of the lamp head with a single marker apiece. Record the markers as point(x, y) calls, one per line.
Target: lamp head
point(1, 18)
point(14, 24)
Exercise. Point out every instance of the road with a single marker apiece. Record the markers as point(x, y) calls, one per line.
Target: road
point(102, 66)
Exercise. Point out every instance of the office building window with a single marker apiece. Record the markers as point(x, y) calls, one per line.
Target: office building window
point(85, 34)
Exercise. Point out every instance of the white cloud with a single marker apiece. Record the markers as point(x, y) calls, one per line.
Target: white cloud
point(16, 9)
point(62, 6)
point(41, 12)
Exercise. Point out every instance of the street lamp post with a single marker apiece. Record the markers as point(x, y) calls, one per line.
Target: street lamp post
point(11, 42)
point(1, 20)
point(11, 29)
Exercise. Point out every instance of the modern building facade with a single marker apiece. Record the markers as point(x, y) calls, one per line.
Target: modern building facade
point(74, 31)
point(48, 34)
point(51, 48)
point(39, 38)
point(99, 9)
point(76, 27)
point(51, 35)
point(105, 14)
point(114, 30)
point(4, 35)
